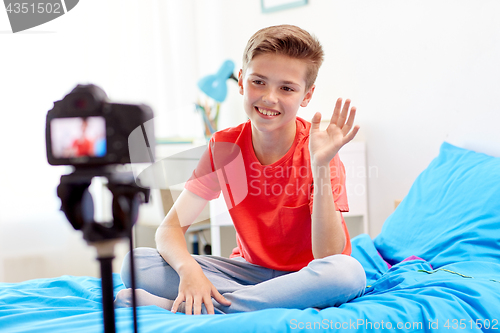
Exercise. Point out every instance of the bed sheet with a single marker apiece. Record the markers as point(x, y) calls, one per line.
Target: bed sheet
point(408, 297)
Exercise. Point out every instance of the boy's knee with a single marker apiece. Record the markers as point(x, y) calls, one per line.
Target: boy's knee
point(347, 270)
point(142, 258)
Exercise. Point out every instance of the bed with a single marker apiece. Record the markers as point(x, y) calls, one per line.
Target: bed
point(435, 267)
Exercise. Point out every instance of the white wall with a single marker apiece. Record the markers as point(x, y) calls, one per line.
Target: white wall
point(118, 45)
point(419, 73)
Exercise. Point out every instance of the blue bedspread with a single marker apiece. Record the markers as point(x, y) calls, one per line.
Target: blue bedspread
point(408, 297)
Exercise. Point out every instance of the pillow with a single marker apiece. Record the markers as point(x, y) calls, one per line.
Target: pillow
point(451, 213)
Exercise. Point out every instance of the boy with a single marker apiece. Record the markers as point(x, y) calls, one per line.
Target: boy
point(293, 245)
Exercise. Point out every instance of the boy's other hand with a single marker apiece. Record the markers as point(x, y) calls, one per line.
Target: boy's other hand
point(324, 145)
point(195, 289)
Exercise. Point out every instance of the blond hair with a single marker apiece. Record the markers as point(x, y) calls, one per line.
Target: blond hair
point(288, 40)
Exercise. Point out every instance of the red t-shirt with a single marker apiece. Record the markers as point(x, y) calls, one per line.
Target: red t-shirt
point(270, 205)
point(83, 147)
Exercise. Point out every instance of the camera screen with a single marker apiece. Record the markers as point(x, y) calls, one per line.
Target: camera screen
point(78, 137)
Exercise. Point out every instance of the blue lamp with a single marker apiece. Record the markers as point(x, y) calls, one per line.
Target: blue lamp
point(214, 85)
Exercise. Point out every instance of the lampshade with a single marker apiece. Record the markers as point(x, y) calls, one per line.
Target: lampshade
point(215, 85)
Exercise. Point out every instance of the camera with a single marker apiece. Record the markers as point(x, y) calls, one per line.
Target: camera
point(85, 130)
point(88, 132)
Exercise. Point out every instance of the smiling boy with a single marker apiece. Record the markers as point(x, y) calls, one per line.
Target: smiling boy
point(293, 246)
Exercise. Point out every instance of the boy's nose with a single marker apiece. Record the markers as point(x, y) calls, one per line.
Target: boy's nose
point(270, 96)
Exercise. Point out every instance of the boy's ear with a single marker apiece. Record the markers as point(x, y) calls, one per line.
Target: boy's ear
point(308, 96)
point(240, 81)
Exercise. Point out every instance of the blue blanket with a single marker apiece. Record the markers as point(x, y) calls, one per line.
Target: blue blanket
point(411, 296)
point(450, 218)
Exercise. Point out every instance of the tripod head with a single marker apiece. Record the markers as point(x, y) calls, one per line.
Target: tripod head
point(77, 203)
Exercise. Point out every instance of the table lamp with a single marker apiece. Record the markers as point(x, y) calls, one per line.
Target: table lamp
point(214, 85)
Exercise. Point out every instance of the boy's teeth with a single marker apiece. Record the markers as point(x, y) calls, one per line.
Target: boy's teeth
point(268, 113)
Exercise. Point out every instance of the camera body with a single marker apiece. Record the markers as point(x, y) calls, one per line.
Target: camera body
point(85, 130)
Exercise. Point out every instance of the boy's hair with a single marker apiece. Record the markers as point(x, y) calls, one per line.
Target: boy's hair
point(286, 40)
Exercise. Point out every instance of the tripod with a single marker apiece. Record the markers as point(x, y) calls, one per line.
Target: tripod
point(77, 204)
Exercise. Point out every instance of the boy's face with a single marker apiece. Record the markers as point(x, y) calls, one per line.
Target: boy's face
point(274, 87)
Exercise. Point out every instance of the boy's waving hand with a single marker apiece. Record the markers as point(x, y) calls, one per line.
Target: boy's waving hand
point(324, 145)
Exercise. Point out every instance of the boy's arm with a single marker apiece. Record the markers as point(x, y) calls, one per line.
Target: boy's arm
point(194, 288)
point(327, 234)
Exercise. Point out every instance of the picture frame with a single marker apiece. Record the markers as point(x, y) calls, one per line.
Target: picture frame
point(269, 6)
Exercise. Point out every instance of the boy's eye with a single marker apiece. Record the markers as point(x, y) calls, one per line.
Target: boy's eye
point(258, 82)
point(287, 89)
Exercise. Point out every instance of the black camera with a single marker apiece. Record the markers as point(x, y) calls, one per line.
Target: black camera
point(85, 130)
point(88, 132)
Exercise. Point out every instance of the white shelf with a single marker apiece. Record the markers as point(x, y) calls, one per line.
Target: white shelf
point(353, 155)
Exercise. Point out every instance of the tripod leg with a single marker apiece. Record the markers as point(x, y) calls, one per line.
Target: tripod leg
point(132, 271)
point(107, 294)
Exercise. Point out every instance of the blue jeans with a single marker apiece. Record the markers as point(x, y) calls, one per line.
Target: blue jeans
point(326, 282)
